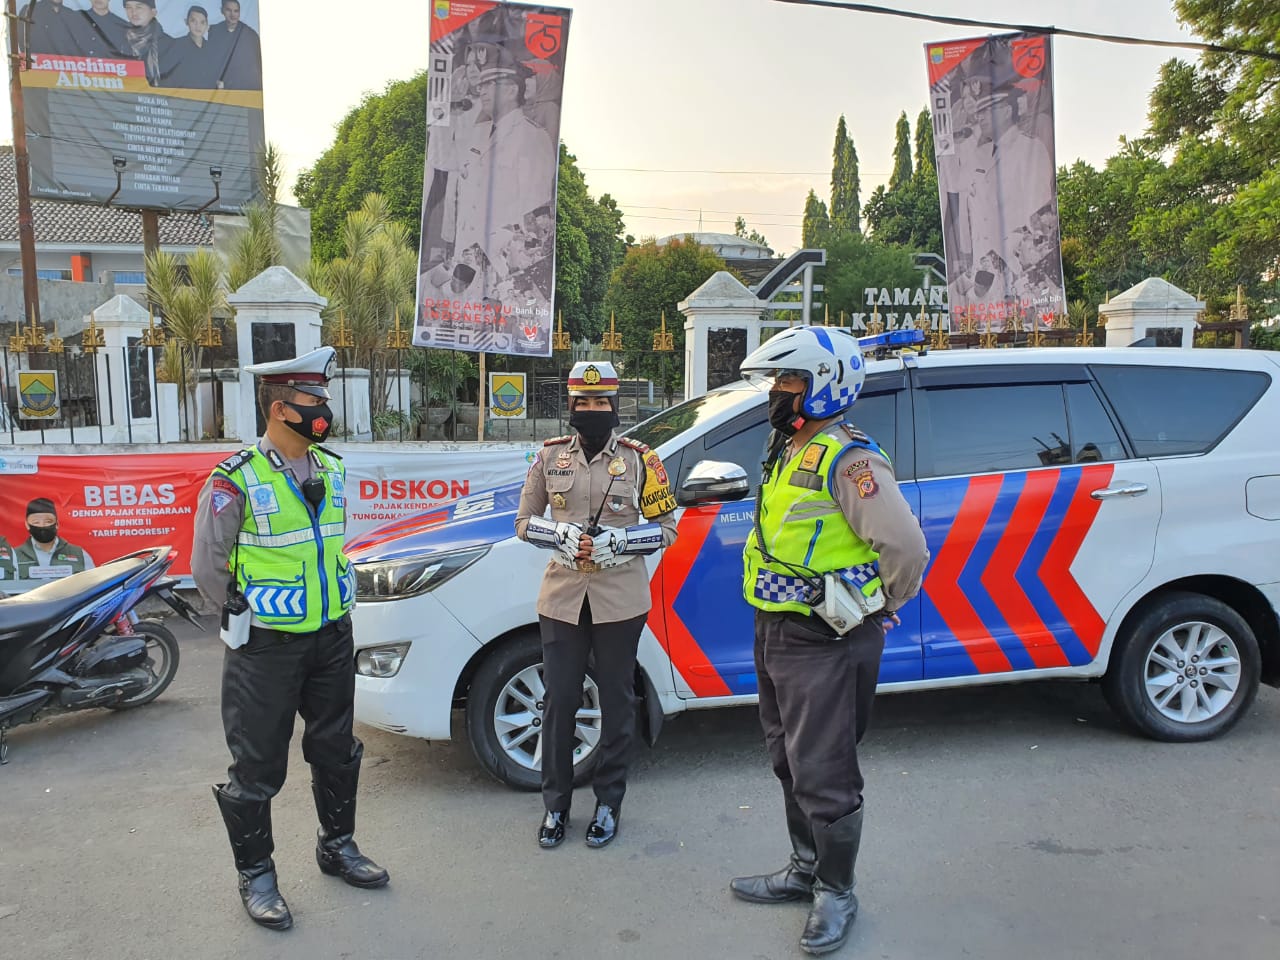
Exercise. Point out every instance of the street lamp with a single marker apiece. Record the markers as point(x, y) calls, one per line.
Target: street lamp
point(215, 174)
point(119, 163)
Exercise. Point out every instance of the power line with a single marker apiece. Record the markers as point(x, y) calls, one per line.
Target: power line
point(1027, 28)
point(743, 173)
point(737, 213)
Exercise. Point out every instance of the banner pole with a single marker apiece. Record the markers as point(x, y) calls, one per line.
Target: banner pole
point(22, 168)
point(483, 387)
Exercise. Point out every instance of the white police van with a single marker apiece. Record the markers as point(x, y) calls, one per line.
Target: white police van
point(1107, 514)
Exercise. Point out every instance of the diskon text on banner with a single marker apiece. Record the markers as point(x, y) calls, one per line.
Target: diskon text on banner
point(486, 270)
point(992, 105)
point(166, 94)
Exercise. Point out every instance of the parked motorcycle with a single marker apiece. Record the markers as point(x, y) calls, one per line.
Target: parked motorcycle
point(76, 643)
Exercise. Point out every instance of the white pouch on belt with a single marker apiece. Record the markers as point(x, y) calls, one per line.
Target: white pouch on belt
point(843, 606)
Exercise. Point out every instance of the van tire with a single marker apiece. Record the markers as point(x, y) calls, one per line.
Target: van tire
point(1146, 662)
point(504, 671)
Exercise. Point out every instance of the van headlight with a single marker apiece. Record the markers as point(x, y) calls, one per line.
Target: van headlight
point(411, 576)
point(381, 662)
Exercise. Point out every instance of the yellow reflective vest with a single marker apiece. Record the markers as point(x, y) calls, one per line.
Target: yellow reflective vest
point(804, 526)
point(288, 560)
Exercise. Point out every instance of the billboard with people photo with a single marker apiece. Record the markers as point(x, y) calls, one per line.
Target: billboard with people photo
point(151, 104)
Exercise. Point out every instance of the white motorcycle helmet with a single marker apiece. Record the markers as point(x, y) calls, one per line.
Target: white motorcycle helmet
point(828, 358)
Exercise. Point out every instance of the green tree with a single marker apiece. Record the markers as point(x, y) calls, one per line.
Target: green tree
point(189, 293)
point(816, 227)
point(755, 236)
point(856, 264)
point(368, 287)
point(907, 212)
point(651, 280)
point(589, 247)
point(846, 203)
point(379, 147)
point(901, 174)
point(924, 142)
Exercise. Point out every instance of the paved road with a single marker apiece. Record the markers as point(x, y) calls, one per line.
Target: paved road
point(1009, 823)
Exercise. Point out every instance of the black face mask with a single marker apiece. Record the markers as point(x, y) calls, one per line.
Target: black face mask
point(44, 534)
point(782, 415)
point(594, 426)
point(316, 421)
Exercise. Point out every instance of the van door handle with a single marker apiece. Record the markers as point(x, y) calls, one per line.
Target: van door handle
point(1124, 490)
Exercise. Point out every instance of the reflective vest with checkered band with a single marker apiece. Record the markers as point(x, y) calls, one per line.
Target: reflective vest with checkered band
point(288, 560)
point(803, 524)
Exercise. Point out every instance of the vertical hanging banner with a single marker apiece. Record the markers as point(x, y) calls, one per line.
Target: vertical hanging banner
point(151, 104)
point(992, 105)
point(486, 269)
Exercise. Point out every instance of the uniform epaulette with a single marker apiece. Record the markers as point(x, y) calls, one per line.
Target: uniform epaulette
point(633, 444)
point(854, 433)
point(335, 455)
point(236, 460)
point(555, 440)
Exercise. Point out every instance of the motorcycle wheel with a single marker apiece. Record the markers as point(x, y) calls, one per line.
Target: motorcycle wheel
point(161, 663)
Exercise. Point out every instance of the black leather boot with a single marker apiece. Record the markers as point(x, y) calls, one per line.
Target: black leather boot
point(249, 830)
point(834, 905)
point(334, 789)
point(795, 880)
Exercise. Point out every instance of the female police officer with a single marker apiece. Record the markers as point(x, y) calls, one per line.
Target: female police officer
point(610, 506)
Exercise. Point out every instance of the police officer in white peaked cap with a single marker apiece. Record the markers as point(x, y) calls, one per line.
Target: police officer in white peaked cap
point(610, 507)
point(264, 517)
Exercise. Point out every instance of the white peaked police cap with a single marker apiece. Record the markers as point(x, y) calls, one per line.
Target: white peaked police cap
point(309, 373)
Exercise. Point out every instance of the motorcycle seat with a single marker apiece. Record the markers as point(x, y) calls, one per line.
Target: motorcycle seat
point(55, 601)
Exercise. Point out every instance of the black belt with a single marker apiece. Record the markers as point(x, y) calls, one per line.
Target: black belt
point(284, 636)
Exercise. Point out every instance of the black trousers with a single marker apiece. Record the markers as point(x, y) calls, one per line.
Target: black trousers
point(266, 683)
point(816, 691)
point(565, 648)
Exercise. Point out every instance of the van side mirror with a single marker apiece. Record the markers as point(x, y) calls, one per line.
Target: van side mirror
point(711, 481)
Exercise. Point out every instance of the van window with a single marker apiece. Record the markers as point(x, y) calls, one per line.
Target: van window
point(1094, 438)
point(986, 429)
point(1179, 410)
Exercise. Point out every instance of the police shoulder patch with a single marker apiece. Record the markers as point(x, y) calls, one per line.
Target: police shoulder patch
point(634, 444)
point(557, 440)
point(236, 461)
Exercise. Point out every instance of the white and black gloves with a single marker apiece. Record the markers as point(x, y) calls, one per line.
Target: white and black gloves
point(613, 542)
point(550, 535)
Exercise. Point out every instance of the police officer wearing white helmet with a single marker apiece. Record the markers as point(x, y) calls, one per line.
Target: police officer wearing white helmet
point(835, 552)
point(269, 529)
point(611, 506)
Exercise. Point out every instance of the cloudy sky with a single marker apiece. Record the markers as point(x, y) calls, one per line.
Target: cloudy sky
point(684, 109)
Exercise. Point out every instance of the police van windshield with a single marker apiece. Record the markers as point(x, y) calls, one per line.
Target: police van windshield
point(683, 417)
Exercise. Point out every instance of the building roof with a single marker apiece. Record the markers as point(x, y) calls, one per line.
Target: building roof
point(728, 245)
point(90, 224)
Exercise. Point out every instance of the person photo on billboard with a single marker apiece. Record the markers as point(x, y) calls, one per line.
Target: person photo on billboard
point(192, 63)
point(103, 31)
point(145, 39)
point(237, 49)
point(44, 555)
point(51, 27)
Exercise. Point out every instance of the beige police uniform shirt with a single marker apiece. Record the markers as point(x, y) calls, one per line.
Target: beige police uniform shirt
point(875, 509)
point(219, 517)
point(561, 477)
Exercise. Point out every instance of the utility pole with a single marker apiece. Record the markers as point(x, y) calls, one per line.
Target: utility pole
point(22, 170)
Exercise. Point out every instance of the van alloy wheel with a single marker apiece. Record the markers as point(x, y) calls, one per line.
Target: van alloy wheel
point(1192, 672)
point(517, 719)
